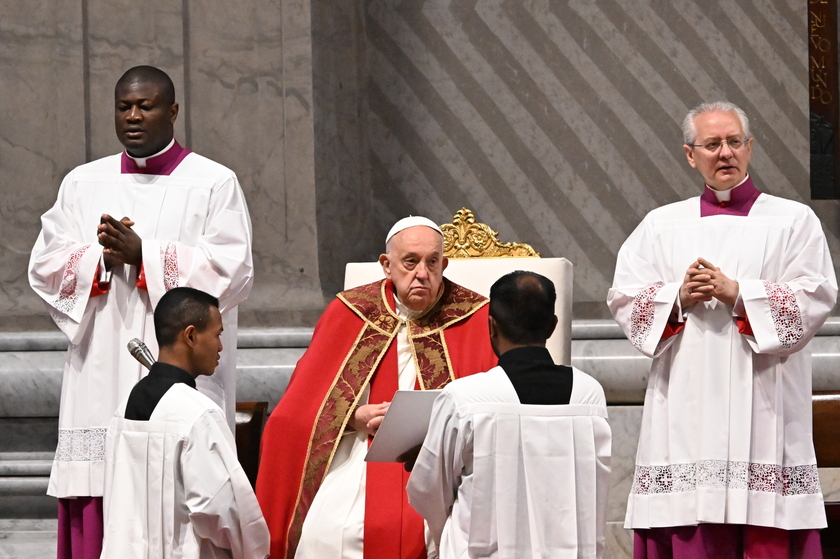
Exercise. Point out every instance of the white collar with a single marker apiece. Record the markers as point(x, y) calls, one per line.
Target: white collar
point(725, 195)
point(403, 311)
point(141, 161)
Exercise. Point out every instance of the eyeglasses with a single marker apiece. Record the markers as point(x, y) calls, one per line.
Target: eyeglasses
point(712, 147)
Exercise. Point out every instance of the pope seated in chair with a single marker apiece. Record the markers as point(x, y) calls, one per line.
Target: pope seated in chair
point(412, 330)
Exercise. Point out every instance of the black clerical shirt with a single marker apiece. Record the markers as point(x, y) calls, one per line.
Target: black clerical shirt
point(535, 377)
point(147, 393)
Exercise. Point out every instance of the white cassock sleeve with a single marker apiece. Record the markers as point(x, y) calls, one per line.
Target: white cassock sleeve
point(643, 295)
point(63, 265)
point(436, 476)
point(222, 507)
point(786, 311)
point(219, 259)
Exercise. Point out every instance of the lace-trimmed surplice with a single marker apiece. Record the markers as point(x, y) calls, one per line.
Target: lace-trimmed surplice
point(726, 432)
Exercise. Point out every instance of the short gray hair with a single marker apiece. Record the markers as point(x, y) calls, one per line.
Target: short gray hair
point(690, 131)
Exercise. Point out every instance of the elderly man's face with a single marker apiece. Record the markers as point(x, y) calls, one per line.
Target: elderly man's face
point(724, 167)
point(415, 263)
point(143, 121)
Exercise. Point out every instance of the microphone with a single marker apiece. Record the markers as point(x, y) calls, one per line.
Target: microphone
point(140, 352)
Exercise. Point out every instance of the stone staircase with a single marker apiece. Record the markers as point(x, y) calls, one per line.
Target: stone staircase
point(23, 477)
point(31, 367)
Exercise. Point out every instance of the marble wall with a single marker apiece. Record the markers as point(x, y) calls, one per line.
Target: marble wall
point(42, 136)
point(557, 122)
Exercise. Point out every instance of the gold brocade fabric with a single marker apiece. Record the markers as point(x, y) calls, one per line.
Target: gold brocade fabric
point(380, 326)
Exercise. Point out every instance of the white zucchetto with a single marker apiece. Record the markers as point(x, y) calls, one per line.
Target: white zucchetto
point(411, 221)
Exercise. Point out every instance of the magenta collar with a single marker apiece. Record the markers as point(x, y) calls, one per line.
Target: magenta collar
point(741, 200)
point(162, 164)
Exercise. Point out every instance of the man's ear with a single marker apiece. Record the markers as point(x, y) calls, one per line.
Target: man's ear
point(173, 112)
point(492, 326)
point(689, 154)
point(190, 335)
point(385, 262)
point(444, 263)
point(553, 328)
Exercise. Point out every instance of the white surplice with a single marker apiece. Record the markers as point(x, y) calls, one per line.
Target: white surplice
point(196, 232)
point(496, 478)
point(726, 431)
point(174, 487)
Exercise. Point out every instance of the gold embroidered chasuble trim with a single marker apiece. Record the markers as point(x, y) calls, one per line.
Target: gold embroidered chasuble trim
point(380, 327)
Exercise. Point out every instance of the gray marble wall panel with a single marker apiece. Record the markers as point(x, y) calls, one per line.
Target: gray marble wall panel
point(250, 76)
point(117, 36)
point(347, 212)
point(43, 113)
point(31, 383)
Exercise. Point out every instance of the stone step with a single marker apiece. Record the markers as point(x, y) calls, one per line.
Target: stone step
point(31, 538)
point(24, 486)
point(25, 464)
point(246, 338)
point(301, 336)
point(38, 527)
point(23, 489)
point(27, 538)
point(32, 379)
point(29, 506)
point(24, 477)
point(29, 434)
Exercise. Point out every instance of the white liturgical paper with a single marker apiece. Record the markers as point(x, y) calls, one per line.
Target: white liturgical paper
point(404, 425)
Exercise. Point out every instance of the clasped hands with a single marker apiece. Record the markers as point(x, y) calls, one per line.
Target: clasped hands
point(703, 282)
point(122, 244)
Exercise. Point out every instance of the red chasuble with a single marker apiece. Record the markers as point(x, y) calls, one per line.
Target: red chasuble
point(353, 346)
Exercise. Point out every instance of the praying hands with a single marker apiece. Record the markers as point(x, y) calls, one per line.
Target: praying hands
point(703, 282)
point(122, 244)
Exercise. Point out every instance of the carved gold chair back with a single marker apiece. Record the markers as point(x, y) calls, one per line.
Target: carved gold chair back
point(464, 238)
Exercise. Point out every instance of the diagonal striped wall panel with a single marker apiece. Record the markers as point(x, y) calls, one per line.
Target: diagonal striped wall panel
point(558, 122)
